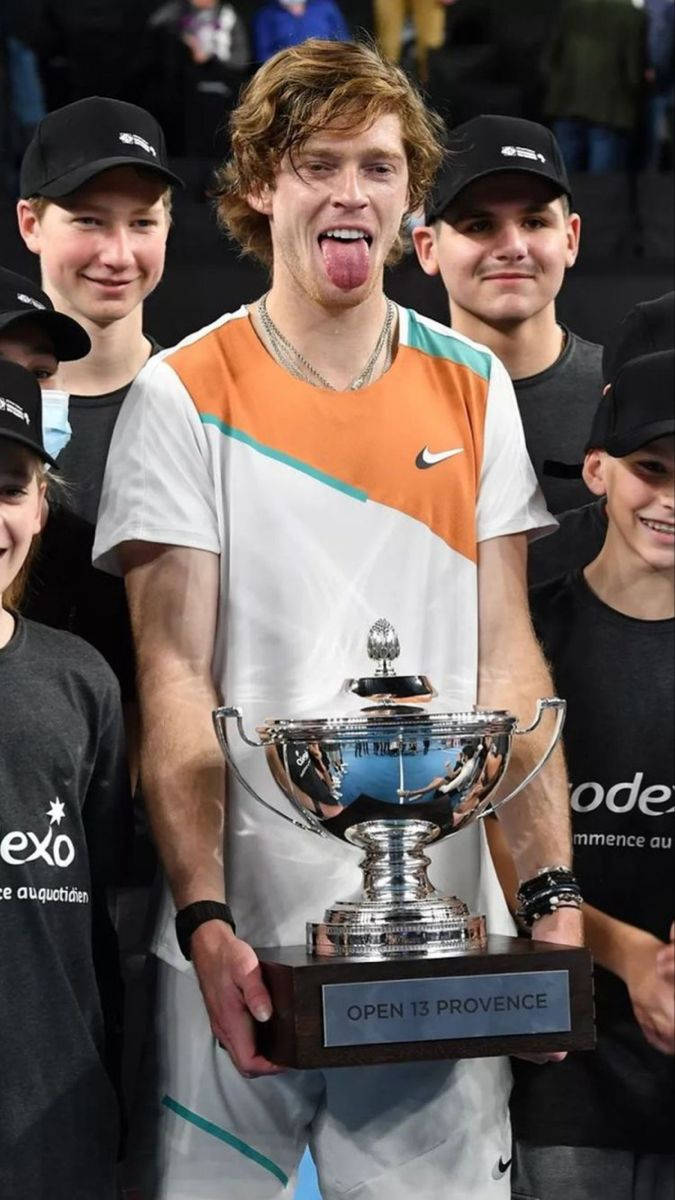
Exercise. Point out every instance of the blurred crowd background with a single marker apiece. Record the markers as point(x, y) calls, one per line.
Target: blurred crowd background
point(599, 72)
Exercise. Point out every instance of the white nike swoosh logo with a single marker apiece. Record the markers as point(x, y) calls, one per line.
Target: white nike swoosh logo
point(428, 459)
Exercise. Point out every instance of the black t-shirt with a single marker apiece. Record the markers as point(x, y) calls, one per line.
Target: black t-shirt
point(64, 590)
point(578, 539)
point(616, 674)
point(557, 407)
point(82, 461)
point(64, 811)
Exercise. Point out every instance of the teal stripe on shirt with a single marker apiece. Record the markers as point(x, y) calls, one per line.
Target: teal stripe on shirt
point(223, 1136)
point(287, 459)
point(446, 345)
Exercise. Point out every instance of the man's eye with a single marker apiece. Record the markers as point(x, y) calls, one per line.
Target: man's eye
point(535, 223)
point(43, 373)
point(145, 222)
point(87, 221)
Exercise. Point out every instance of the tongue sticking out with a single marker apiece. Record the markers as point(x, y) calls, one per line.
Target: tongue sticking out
point(346, 262)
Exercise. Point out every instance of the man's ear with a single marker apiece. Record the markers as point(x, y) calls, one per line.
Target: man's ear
point(261, 201)
point(424, 241)
point(29, 225)
point(573, 237)
point(594, 472)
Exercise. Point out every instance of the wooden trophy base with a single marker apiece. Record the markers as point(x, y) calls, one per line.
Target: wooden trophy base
point(518, 996)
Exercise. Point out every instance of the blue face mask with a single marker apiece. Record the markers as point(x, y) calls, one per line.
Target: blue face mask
point(56, 431)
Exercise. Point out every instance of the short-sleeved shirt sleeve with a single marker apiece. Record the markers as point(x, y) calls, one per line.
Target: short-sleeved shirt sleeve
point(158, 485)
point(509, 497)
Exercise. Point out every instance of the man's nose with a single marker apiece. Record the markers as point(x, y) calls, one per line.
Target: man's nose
point(348, 190)
point(511, 241)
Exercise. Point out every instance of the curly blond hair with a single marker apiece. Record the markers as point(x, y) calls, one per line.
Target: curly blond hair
point(300, 92)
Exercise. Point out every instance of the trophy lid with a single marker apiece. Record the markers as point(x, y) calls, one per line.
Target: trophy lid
point(385, 702)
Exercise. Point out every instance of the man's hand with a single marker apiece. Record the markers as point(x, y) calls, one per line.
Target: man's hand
point(234, 994)
point(651, 995)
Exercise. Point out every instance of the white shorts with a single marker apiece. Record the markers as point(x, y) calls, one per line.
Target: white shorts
point(414, 1131)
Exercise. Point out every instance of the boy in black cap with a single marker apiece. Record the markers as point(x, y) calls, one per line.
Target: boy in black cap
point(502, 234)
point(95, 188)
point(64, 799)
point(604, 1124)
point(649, 327)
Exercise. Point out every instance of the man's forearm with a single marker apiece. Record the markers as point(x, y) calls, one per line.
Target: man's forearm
point(536, 822)
point(182, 771)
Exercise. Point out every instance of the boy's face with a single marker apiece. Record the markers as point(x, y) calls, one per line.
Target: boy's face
point(26, 343)
point(353, 183)
point(502, 248)
point(102, 248)
point(640, 490)
point(21, 496)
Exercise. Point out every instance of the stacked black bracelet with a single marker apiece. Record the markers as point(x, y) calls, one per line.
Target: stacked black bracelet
point(550, 889)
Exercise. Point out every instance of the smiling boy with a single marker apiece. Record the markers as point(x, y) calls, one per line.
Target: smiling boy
point(603, 1123)
point(265, 499)
point(502, 234)
point(95, 207)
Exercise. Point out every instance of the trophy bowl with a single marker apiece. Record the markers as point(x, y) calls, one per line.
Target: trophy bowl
point(390, 770)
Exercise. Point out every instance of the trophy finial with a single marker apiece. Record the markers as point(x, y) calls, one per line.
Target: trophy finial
point(383, 646)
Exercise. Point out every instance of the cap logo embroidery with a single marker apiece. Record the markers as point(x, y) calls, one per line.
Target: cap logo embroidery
point(29, 300)
point(135, 139)
point(14, 410)
point(522, 152)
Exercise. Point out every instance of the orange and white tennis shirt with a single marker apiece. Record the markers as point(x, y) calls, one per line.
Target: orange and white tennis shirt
point(328, 510)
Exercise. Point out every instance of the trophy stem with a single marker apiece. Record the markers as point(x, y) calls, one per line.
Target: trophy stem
point(394, 865)
point(400, 912)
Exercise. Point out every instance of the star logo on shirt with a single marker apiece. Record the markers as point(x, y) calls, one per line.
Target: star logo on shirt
point(56, 812)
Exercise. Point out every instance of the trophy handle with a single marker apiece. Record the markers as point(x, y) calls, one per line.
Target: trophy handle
point(220, 717)
point(560, 707)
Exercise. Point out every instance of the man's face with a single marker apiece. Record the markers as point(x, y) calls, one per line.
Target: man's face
point(336, 210)
point(502, 248)
point(640, 490)
point(102, 248)
point(26, 343)
point(20, 508)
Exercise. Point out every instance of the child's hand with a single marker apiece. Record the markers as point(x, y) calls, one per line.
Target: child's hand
point(665, 959)
point(651, 994)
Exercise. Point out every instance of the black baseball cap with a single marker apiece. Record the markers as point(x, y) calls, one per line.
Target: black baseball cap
point(21, 409)
point(74, 143)
point(488, 145)
point(646, 329)
point(638, 406)
point(21, 298)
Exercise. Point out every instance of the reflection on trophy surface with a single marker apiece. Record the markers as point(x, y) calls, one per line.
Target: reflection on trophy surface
point(388, 768)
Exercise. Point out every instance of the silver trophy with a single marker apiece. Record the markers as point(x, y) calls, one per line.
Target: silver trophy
point(391, 771)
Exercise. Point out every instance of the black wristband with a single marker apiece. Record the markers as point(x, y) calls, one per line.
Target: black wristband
point(193, 915)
